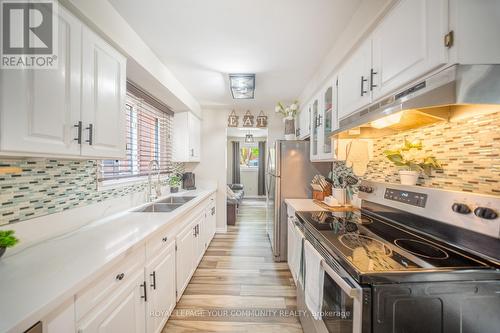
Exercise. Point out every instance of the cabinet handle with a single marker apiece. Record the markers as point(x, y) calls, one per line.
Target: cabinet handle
point(192, 152)
point(164, 239)
point(319, 121)
point(120, 276)
point(153, 275)
point(194, 231)
point(145, 296)
point(79, 135)
point(363, 91)
point(372, 74)
point(91, 134)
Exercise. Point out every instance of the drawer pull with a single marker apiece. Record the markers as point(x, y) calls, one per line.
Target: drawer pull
point(120, 276)
point(143, 286)
point(164, 239)
point(153, 275)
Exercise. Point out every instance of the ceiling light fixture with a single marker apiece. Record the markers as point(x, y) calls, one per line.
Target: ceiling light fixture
point(242, 85)
point(249, 138)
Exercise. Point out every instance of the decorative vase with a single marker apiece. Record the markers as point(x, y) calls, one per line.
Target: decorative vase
point(408, 177)
point(174, 189)
point(289, 128)
point(2, 251)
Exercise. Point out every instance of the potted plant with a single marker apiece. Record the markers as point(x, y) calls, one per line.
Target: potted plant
point(174, 181)
point(7, 239)
point(289, 113)
point(412, 160)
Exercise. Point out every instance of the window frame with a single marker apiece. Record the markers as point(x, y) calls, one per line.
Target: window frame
point(133, 131)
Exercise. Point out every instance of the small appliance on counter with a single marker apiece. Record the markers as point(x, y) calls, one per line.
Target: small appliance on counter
point(188, 181)
point(412, 259)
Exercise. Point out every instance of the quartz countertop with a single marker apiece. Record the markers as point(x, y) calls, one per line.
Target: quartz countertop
point(303, 205)
point(38, 279)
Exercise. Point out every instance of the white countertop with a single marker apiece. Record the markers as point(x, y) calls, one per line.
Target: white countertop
point(303, 205)
point(34, 281)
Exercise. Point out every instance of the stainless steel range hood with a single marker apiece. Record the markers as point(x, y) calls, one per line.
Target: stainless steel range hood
point(441, 96)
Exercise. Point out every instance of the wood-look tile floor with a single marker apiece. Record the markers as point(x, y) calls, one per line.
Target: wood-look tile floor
point(238, 287)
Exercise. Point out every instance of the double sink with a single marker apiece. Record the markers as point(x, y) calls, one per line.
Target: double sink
point(164, 206)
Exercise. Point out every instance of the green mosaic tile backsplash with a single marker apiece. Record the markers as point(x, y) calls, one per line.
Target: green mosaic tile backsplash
point(47, 186)
point(469, 151)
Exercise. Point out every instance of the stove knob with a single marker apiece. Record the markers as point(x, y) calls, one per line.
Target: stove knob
point(460, 208)
point(485, 213)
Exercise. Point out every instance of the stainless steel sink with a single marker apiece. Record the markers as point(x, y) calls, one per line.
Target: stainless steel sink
point(159, 208)
point(176, 200)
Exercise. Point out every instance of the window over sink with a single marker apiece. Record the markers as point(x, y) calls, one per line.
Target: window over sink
point(148, 137)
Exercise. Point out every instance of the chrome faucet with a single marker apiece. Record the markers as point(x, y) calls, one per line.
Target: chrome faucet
point(153, 196)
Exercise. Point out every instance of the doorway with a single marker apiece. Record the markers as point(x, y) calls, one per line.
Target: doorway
point(246, 160)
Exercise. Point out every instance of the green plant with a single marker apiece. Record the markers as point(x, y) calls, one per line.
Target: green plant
point(411, 156)
point(174, 180)
point(7, 239)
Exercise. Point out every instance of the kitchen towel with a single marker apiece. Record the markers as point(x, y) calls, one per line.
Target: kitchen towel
point(298, 240)
point(314, 280)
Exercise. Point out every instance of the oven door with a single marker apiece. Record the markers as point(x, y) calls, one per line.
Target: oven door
point(342, 302)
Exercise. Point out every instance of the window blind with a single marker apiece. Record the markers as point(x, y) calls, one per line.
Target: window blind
point(148, 137)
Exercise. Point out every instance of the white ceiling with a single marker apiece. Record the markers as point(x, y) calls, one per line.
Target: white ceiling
point(201, 41)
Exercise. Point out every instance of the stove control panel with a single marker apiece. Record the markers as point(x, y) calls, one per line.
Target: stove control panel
point(407, 197)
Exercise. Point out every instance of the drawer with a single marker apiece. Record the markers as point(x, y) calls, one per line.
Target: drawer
point(109, 282)
point(158, 242)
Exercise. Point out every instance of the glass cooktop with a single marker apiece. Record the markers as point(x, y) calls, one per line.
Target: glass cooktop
point(373, 245)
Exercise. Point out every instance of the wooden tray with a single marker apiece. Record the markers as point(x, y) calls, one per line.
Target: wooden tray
point(323, 205)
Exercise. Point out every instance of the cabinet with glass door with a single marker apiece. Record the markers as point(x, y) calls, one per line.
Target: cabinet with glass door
point(315, 129)
point(323, 122)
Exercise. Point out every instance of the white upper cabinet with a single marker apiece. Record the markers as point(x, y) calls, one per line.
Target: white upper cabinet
point(354, 80)
point(75, 110)
point(103, 102)
point(407, 44)
point(315, 129)
point(304, 122)
point(475, 25)
point(324, 120)
point(187, 134)
point(40, 107)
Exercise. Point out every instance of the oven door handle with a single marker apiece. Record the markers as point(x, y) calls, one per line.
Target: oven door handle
point(350, 291)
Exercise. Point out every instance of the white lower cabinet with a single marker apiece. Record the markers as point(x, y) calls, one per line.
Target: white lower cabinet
point(185, 256)
point(123, 312)
point(139, 292)
point(160, 273)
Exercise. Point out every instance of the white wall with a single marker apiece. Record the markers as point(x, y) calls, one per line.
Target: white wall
point(362, 22)
point(212, 168)
point(143, 66)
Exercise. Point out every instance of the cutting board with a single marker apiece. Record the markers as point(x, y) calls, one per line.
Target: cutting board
point(335, 209)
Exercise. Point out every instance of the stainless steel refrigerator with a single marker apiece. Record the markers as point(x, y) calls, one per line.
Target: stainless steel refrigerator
point(289, 174)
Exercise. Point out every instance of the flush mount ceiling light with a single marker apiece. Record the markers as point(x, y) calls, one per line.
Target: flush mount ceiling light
point(242, 85)
point(249, 138)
